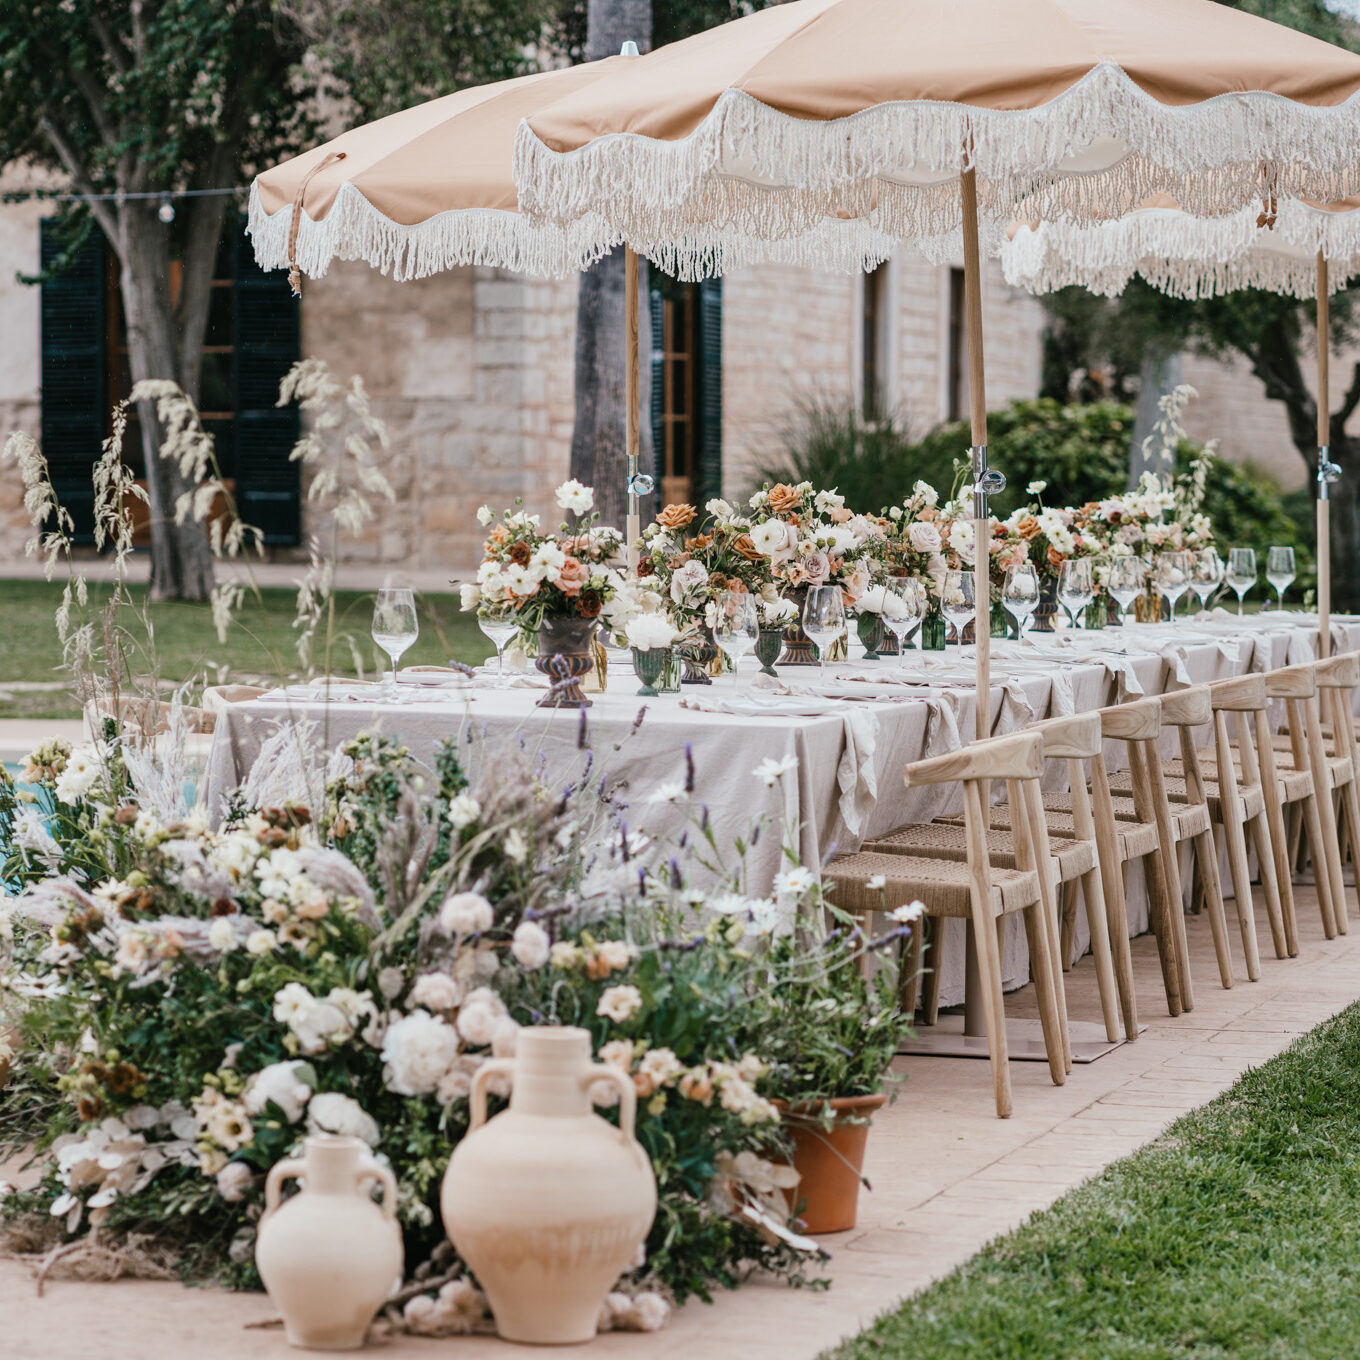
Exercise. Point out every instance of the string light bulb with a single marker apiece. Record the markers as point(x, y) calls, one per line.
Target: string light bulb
point(166, 212)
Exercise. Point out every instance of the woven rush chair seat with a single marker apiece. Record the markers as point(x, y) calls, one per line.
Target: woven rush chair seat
point(949, 840)
point(1135, 838)
point(1188, 819)
point(1340, 767)
point(1295, 783)
point(944, 884)
point(1253, 799)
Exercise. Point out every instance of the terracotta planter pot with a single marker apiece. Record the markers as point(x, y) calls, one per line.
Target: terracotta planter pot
point(830, 1163)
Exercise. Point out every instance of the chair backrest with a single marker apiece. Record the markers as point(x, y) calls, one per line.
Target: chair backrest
point(1243, 694)
point(1339, 672)
point(1140, 720)
point(1073, 738)
point(1293, 682)
point(1019, 756)
point(218, 698)
point(1187, 707)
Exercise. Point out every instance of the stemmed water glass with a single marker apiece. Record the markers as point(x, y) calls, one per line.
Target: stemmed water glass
point(500, 622)
point(395, 627)
point(1280, 572)
point(1206, 574)
point(736, 627)
point(824, 618)
point(1172, 576)
point(1076, 589)
point(1241, 572)
point(958, 601)
point(1020, 594)
point(1125, 583)
point(904, 616)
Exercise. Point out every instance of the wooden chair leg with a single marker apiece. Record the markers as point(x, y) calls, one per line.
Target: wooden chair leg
point(1234, 835)
point(993, 1009)
point(1211, 890)
point(1322, 877)
point(1116, 900)
point(1296, 846)
point(1098, 919)
point(1159, 919)
point(1069, 925)
point(1270, 883)
point(1350, 820)
point(909, 976)
point(1046, 973)
point(1331, 861)
point(1038, 831)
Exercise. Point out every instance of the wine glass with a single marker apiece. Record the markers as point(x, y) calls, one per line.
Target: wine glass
point(1125, 583)
point(500, 622)
point(1076, 589)
point(958, 602)
point(906, 610)
point(394, 628)
point(1241, 572)
point(736, 628)
point(1020, 594)
point(1280, 572)
point(1206, 574)
point(1172, 576)
point(824, 618)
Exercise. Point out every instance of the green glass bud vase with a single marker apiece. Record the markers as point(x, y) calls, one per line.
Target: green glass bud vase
point(870, 630)
point(933, 633)
point(769, 644)
point(649, 664)
point(1001, 621)
point(1095, 614)
point(671, 667)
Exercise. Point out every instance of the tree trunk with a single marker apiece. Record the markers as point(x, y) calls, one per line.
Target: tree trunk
point(1157, 375)
point(1345, 519)
point(599, 455)
point(181, 560)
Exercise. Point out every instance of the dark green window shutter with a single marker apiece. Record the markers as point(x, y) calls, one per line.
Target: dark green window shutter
point(708, 475)
point(267, 343)
point(74, 370)
point(657, 316)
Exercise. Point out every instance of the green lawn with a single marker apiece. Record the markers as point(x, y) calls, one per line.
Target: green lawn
point(261, 643)
point(1234, 1234)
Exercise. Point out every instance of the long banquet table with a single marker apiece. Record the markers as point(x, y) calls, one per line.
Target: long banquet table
point(850, 735)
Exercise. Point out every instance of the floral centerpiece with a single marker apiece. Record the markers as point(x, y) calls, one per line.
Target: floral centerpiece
point(553, 586)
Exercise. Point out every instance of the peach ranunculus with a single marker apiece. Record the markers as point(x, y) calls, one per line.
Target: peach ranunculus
point(498, 535)
point(572, 576)
point(840, 514)
point(676, 516)
point(1012, 555)
point(1027, 527)
point(783, 498)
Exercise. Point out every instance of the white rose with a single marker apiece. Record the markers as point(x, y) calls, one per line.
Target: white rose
point(417, 1051)
point(923, 537)
point(770, 537)
point(484, 516)
point(530, 945)
point(466, 914)
point(469, 595)
point(331, 1112)
point(233, 1181)
point(281, 1083)
point(435, 992)
point(619, 1003)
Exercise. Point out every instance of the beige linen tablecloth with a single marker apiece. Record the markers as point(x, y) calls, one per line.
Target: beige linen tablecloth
point(851, 737)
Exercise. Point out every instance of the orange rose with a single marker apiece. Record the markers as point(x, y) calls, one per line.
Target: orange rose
point(1055, 558)
point(743, 546)
point(676, 516)
point(1028, 527)
point(783, 498)
point(700, 544)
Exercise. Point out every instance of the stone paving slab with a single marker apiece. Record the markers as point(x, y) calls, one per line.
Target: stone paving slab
point(948, 1177)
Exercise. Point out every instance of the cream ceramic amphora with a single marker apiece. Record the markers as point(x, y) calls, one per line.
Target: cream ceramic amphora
point(330, 1256)
point(548, 1203)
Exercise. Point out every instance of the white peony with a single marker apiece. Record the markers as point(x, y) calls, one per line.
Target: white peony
point(924, 538)
point(530, 945)
point(688, 580)
point(331, 1112)
point(417, 1051)
point(466, 914)
point(469, 596)
point(435, 992)
point(283, 1085)
point(571, 495)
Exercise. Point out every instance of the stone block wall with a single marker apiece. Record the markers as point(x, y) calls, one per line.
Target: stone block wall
point(19, 359)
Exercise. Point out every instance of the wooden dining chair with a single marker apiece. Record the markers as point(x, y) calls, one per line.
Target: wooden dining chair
point(1074, 862)
point(976, 891)
point(1338, 680)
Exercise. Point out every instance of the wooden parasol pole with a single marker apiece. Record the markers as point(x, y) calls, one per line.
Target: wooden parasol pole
point(977, 400)
point(1325, 471)
point(634, 525)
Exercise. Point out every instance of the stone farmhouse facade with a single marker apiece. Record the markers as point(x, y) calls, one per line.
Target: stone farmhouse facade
point(472, 372)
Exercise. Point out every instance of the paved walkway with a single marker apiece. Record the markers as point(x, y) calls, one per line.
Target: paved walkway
point(947, 1175)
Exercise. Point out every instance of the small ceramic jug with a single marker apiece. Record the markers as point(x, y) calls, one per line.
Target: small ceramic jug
point(548, 1203)
point(329, 1256)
